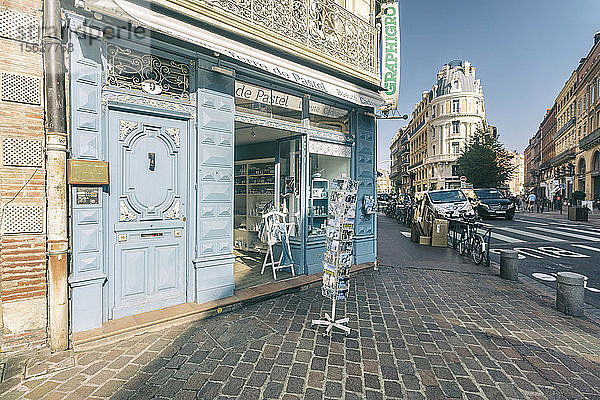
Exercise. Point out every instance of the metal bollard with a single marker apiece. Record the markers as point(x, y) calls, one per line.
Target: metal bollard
point(509, 265)
point(570, 291)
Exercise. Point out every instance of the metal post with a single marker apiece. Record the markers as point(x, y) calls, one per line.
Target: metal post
point(56, 188)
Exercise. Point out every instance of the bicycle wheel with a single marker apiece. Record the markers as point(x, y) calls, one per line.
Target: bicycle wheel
point(463, 243)
point(478, 249)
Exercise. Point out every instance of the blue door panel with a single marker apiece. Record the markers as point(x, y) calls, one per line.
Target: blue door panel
point(149, 183)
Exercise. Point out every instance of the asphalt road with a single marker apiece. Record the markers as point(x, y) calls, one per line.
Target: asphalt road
point(547, 247)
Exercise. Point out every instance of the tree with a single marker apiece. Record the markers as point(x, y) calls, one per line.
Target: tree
point(485, 162)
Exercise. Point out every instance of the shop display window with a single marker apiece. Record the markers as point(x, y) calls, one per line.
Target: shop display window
point(267, 103)
point(323, 168)
point(329, 117)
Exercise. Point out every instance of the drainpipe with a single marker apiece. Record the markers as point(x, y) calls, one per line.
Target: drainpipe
point(56, 187)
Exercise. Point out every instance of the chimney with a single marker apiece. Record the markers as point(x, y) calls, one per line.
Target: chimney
point(597, 37)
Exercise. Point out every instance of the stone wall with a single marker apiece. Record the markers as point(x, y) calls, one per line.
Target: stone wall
point(22, 179)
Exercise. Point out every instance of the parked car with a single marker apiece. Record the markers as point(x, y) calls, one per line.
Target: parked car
point(490, 203)
point(450, 203)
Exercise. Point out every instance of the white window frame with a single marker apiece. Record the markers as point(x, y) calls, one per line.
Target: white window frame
point(457, 108)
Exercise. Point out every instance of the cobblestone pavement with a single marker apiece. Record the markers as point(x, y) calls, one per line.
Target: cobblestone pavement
point(416, 334)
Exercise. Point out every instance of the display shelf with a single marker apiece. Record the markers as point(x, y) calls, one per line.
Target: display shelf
point(318, 206)
point(252, 176)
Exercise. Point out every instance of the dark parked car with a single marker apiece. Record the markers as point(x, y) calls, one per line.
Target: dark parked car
point(491, 203)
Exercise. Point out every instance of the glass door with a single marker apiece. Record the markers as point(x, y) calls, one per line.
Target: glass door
point(288, 180)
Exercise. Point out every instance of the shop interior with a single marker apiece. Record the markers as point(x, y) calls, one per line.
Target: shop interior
point(268, 176)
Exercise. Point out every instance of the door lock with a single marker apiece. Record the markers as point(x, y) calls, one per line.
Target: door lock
point(152, 158)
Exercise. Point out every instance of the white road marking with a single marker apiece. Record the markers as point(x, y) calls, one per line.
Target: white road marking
point(561, 252)
point(506, 238)
point(533, 235)
point(569, 234)
point(526, 221)
point(406, 234)
point(544, 277)
point(587, 231)
point(583, 246)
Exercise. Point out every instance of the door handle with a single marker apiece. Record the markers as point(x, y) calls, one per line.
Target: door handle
point(152, 158)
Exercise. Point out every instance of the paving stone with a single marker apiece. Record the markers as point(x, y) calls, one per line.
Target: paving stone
point(295, 385)
point(333, 389)
point(392, 389)
point(273, 390)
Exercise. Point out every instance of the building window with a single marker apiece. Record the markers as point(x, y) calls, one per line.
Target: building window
point(455, 148)
point(433, 149)
point(455, 127)
point(454, 173)
point(433, 111)
point(455, 106)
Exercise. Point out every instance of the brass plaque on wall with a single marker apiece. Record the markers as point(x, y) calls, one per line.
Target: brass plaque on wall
point(87, 172)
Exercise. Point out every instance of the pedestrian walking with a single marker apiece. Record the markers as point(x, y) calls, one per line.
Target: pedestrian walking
point(531, 201)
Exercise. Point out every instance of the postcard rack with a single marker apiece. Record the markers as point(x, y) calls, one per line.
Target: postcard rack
point(339, 232)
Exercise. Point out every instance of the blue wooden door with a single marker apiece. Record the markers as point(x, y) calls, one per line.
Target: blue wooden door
point(148, 193)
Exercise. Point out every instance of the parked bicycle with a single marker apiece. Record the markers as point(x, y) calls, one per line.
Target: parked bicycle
point(471, 238)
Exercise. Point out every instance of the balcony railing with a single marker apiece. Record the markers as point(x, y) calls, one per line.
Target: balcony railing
point(565, 155)
point(323, 25)
point(590, 140)
point(442, 157)
point(566, 126)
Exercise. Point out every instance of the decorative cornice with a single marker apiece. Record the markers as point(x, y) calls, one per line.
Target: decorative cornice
point(315, 133)
point(109, 96)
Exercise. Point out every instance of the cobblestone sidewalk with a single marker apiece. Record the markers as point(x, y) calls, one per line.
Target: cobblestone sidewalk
point(416, 334)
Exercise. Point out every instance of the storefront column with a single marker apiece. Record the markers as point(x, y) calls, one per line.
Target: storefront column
point(364, 226)
point(214, 259)
point(87, 275)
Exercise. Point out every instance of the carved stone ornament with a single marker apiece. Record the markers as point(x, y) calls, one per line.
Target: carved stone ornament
point(125, 213)
point(141, 100)
point(173, 212)
point(174, 133)
point(126, 127)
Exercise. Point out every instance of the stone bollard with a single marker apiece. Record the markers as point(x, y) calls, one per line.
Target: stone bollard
point(509, 265)
point(570, 291)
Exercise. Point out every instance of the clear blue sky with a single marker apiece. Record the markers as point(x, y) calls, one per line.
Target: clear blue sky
point(524, 51)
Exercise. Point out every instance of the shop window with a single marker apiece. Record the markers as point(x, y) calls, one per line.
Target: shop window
point(267, 102)
point(327, 162)
point(329, 117)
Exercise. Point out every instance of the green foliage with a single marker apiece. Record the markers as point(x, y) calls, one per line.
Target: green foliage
point(484, 161)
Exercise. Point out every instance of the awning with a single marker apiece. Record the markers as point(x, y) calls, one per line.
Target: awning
point(279, 66)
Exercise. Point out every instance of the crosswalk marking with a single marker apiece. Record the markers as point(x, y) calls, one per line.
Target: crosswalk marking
point(583, 246)
point(526, 221)
point(531, 234)
point(587, 231)
point(569, 234)
point(506, 238)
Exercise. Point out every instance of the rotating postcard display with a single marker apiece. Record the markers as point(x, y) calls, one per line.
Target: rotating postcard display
point(338, 257)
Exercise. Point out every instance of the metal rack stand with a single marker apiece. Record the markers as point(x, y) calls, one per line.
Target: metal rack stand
point(337, 260)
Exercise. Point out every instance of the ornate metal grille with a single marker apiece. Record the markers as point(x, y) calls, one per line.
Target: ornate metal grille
point(23, 219)
point(22, 152)
point(21, 89)
point(135, 70)
point(321, 24)
point(19, 26)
